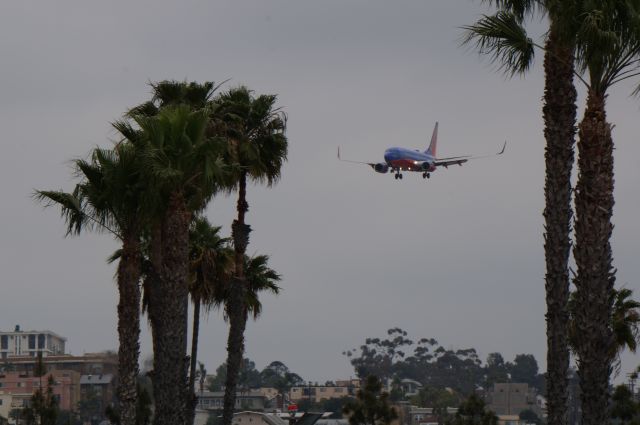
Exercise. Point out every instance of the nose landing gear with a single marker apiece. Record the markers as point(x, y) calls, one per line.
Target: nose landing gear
point(426, 175)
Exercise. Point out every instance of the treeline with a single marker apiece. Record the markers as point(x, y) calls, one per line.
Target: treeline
point(275, 375)
point(396, 357)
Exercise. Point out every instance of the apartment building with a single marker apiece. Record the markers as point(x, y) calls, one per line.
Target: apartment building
point(88, 364)
point(21, 386)
point(30, 343)
point(317, 393)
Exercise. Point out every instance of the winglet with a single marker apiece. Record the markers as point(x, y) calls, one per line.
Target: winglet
point(339, 153)
point(503, 148)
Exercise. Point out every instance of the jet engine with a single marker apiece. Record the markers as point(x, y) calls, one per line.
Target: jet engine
point(426, 166)
point(381, 167)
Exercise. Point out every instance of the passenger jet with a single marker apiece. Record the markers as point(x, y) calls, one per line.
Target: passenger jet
point(397, 160)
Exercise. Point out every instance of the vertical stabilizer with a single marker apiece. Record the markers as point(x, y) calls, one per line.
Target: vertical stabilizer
point(431, 150)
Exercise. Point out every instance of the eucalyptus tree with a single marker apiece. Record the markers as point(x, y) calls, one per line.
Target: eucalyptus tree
point(107, 199)
point(255, 130)
point(185, 167)
point(504, 37)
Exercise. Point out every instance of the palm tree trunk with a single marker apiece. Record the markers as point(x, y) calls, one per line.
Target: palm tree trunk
point(559, 113)
point(236, 308)
point(168, 314)
point(595, 275)
point(129, 273)
point(193, 399)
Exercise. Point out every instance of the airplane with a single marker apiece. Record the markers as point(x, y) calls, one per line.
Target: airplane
point(402, 159)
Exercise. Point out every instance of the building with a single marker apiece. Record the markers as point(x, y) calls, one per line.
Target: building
point(246, 400)
point(100, 389)
point(5, 404)
point(88, 364)
point(317, 393)
point(30, 343)
point(21, 386)
point(425, 415)
point(410, 387)
point(512, 398)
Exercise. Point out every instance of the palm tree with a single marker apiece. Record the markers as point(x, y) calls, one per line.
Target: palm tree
point(108, 199)
point(259, 277)
point(202, 376)
point(257, 142)
point(503, 36)
point(609, 53)
point(185, 167)
point(211, 264)
point(171, 95)
point(625, 323)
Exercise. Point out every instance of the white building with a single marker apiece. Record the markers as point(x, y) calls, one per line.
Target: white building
point(30, 343)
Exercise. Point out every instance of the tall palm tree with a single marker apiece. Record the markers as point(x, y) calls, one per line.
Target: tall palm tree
point(503, 36)
point(185, 167)
point(605, 38)
point(609, 53)
point(211, 264)
point(108, 199)
point(257, 143)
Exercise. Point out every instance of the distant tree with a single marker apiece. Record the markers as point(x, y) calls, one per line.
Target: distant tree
point(436, 398)
point(379, 356)
point(623, 406)
point(89, 408)
point(277, 375)
point(143, 405)
point(43, 409)
point(335, 405)
point(524, 369)
point(473, 412)
point(249, 376)
point(371, 406)
point(495, 370)
point(66, 417)
point(528, 416)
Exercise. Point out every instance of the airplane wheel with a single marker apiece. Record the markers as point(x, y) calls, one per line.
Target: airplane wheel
point(396, 176)
point(424, 175)
point(400, 175)
point(428, 175)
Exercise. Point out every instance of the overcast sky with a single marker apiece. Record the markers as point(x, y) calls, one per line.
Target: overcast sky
point(458, 257)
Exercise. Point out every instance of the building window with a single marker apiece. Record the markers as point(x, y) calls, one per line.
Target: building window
point(0, 402)
point(4, 342)
point(41, 341)
point(32, 342)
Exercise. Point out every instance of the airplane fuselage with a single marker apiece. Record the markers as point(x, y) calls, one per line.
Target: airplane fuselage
point(409, 160)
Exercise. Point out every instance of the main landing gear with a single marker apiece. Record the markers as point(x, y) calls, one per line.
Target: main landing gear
point(426, 175)
point(398, 176)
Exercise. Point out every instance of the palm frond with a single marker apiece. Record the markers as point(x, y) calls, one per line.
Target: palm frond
point(504, 39)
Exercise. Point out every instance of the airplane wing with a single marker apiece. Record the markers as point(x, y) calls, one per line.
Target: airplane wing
point(446, 162)
point(370, 164)
point(459, 160)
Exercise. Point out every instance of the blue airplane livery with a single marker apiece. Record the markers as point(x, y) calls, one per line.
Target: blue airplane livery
point(397, 160)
